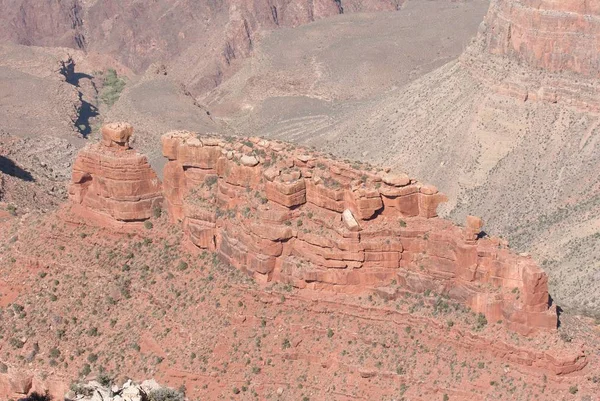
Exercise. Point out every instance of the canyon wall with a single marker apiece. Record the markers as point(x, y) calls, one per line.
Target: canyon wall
point(554, 35)
point(541, 50)
point(290, 215)
point(112, 182)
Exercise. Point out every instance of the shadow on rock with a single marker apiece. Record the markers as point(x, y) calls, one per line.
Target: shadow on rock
point(9, 167)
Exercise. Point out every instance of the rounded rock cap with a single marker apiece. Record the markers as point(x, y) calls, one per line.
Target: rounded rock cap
point(117, 134)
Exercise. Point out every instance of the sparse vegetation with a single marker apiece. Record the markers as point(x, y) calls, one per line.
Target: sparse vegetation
point(112, 86)
point(165, 394)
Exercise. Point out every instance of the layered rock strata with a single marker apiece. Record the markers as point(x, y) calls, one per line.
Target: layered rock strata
point(114, 182)
point(540, 50)
point(290, 215)
point(552, 35)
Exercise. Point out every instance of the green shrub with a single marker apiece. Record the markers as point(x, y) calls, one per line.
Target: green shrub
point(148, 225)
point(112, 87)
point(481, 321)
point(86, 370)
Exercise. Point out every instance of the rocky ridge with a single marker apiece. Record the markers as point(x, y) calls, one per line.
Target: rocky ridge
point(298, 217)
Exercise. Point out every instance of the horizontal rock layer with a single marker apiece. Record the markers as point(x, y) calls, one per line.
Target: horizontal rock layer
point(299, 217)
point(539, 50)
point(110, 179)
point(553, 35)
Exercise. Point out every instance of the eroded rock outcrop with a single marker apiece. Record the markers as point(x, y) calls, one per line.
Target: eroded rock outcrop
point(298, 217)
point(110, 180)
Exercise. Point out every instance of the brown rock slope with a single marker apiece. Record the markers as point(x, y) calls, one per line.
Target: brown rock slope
point(510, 132)
point(149, 302)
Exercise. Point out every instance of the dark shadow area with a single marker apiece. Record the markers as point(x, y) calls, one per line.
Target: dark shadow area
point(76, 77)
point(9, 167)
point(482, 234)
point(37, 397)
point(87, 111)
point(68, 71)
point(559, 312)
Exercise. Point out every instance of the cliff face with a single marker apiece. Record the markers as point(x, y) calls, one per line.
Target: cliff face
point(539, 50)
point(553, 35)
point(112, 182)
point(295, 216)
point(42, 22)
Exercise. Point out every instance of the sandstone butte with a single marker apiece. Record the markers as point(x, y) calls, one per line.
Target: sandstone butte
point(114, 180)
point(290, 215)
point(540, 50)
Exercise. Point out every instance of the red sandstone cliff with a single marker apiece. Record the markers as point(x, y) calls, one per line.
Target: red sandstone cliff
point(111, 181)
point(290, 215)
point(295, 216)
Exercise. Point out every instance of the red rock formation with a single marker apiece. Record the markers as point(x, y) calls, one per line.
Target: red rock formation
point(112, 181)
point(294, 216)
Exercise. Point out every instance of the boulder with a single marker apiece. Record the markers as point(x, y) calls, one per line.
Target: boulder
point(396, 179)
point(350, 221)
point(116, 134)
point(249, 161)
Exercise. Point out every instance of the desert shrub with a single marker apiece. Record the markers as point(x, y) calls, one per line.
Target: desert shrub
point(573, 389)
point(112, 87)
point(148, 224)
point(104, 379)
point(3, 367)
point(81, 389)
point(16, 343)
point(86, 370)
point(165, 394)
point(481, 321)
